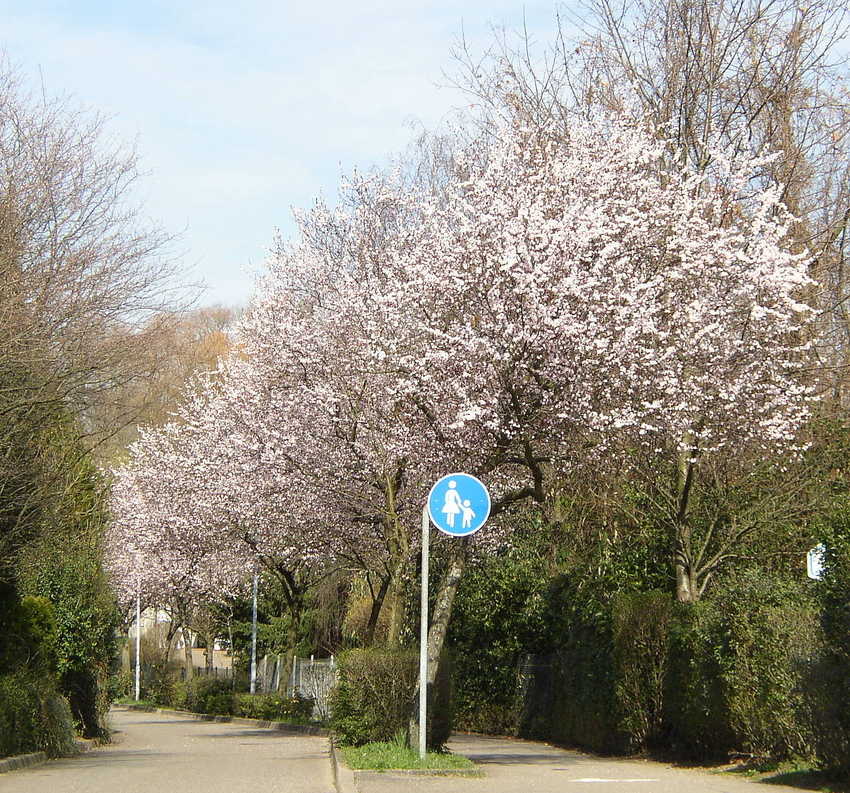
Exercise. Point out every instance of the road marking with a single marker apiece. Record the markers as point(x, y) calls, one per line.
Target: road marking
point(597, 779)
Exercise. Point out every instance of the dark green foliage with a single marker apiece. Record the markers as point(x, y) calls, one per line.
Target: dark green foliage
point(208, 695)
point(374, 695)
point(33, 715)
point(274, 707)
point(51, 522)
point(695, 713)
point(29, 719)
point(770, 635)
point(829, 679)
point(738, 665)
point(158, 683)
point(213, 696)
point(498, 618)
point(640, 636)
point(64, 565)
point(119, 685)
point(28, 636)
point(584, 708)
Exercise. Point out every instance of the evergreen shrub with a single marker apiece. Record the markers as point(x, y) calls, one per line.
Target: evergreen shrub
point(209, 695)
point(375, 697)
point(640, 636)
point(274, 707)
point(33, 717)
point(584, 705)
point(738, 667)
point(829, 678)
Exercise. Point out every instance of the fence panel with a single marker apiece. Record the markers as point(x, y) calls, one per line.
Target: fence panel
point(315, 679)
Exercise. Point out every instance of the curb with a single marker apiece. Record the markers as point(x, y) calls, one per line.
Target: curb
point(280, 726)
point(472, 773)
point(344, 777)
point(22, 761)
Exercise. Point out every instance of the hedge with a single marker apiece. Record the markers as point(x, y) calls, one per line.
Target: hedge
point(375, 696)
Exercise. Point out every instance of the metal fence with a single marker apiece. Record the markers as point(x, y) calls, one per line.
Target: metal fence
point(315, 679)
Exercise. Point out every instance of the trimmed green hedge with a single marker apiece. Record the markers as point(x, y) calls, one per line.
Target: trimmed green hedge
point(375, 696)
point(273, 707)
point(637, 672)
point(217, 697)
point(829, 680)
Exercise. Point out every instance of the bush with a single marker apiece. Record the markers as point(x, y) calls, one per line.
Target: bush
point(375, 697)
point(33, 717)
point(159, 683)
point(273, 707)
point(829, 678)
point(640, 633)
point(738, 668)
point(696, 717)
point(119, 685)
point(498, 618)
point(583, 701)
point(208, 695)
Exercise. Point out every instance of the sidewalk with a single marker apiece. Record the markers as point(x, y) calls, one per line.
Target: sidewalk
point(517, 766)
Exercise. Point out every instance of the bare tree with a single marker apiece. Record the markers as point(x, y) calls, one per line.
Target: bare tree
point(86, 284)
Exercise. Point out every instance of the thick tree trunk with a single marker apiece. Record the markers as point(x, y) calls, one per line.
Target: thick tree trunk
point(687, 590)
point(187, 652)
point(294, 606)
point(375, 613)
point(209, 652)
point(396, 610)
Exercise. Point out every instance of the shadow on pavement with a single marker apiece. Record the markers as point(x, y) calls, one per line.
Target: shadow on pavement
point(504, 758)
point(99, 758)
point(255, 733)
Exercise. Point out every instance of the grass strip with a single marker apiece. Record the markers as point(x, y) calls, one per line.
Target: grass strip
point(385, 756)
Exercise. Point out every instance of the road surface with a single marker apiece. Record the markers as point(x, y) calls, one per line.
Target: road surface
point(154, 753)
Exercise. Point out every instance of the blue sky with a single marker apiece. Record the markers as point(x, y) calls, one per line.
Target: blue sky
point(242, 111)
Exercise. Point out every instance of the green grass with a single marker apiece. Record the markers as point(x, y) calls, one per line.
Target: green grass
point(148, 703)
point(383, 756)
point(798, 774)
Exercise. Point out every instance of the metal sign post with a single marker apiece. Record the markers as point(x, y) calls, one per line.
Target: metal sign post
point(254, 640)
point(458, 505)
point(138, 636)
point(423, 636)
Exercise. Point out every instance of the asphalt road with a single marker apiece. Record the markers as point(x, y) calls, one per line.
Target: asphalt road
point(154, 753)
point(517, 766)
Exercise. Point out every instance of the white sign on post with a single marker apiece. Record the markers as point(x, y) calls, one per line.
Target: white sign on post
point(814, 562)
point(458, 505)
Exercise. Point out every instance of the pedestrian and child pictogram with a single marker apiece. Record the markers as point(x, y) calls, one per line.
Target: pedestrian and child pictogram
point(459, 504)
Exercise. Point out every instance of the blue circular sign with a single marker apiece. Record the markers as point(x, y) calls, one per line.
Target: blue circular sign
point(459, 504)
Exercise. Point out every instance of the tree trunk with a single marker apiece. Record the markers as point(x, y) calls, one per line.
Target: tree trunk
point(294, 606)
point(187, 652)
point(375, 613)
point(209, 657)
point(683, 557)
point(397, 609)
point(687, 590)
